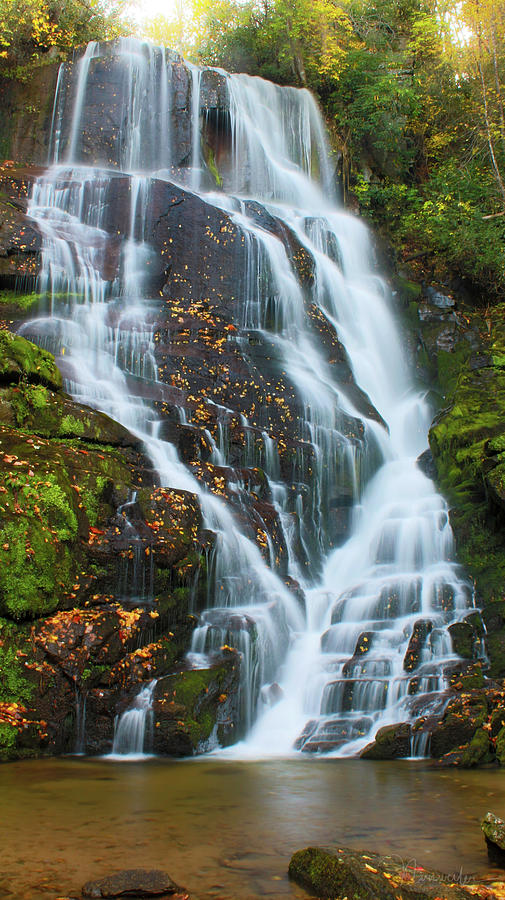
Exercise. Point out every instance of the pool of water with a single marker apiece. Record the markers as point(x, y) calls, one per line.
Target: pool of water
point(227, 829)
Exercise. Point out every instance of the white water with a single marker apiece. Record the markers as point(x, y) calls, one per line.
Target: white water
point(395, 568)
point(130, 728)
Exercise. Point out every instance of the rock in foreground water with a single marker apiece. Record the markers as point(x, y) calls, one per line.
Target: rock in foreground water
point(355, 873)
point(494, 833)
point(135, 883)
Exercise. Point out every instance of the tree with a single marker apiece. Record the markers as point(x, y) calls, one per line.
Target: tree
point(31, 28)
point(478, 51)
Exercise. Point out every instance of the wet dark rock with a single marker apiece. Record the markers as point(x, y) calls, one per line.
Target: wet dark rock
point(355, 873)
point(27, 107)
point(364, 643)
point(103, 111)
point(427, 464)
point(20, 241)
point(390, 742)
point(422, 629)
point(329, 734)
point(135, 883)
point(494, 832)
point(272, 694)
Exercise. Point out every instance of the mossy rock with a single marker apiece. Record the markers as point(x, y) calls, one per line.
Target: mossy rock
point(21, 360)
point(464, 715)
point(468, 444)
point(14, 305)
point(495, 644)
point(22, 733)
point(500, 741)
point(192, 706)
point(478, 752)
point(462, 637)
point(493, 829)
point(51, 494)
point(35, 409)
point(391, 742)
point(367, 876)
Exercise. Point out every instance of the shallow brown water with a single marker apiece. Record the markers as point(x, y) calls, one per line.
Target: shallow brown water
point(227, 829)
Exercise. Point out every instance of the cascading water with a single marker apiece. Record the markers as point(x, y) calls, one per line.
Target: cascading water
point(130, 728)
point(344, 662)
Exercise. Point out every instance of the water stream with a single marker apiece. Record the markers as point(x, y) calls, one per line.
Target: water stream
point(339, 665)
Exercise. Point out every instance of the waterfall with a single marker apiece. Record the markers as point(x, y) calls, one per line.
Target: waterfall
point(131, 727)
point(364, 533)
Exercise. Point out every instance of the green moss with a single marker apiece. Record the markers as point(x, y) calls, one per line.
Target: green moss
point(450, 365)
point(27, 399)
point(71, 426)
point(468, 445)
point(211, 163)
point(8, 739)
point(495, 644)
point(95, 491)
point(190, 685)
point(94, 675)
point(38, 518)
point(23, 302)
point(478, 751)
point(462, 637)
point(500, 747)
point(320, 872)
point(14, 685)
point(22, 360)
point(197, 691)
point(472, 681)
point(410, 290)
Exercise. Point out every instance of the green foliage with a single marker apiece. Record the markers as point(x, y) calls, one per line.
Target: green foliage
point(29, 29)
point(449, 222)
point(289, 41)
point(416, 113)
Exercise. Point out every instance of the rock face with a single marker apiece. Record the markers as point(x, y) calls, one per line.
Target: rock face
point(462, 351)
point(353, 873)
